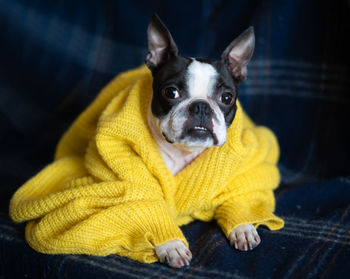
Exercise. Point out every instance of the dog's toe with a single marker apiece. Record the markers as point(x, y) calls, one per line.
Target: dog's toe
point(244, 237)
point(242, 241)
point(250, 240)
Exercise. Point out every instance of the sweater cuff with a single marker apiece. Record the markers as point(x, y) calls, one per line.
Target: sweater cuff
point(232, 215)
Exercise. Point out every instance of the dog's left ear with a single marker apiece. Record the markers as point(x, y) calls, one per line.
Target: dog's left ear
point(238, 54)
point(161, 45)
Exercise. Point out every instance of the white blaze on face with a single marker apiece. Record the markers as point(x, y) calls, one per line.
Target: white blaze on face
point(201, 79)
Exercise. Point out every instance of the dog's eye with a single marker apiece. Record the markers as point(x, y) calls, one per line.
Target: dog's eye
point(171, 93)
point(226, 98)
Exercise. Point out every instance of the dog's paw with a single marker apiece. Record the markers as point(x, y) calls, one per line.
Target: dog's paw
point(244, 237)
point(174, 253)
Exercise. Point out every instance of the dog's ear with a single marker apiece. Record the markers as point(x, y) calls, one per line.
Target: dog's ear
point(161, 45)
point(238, 54)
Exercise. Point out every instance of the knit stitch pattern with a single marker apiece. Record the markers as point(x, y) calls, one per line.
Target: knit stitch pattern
point(109, 191)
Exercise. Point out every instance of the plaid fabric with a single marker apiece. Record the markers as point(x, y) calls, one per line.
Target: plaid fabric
point(56, 56)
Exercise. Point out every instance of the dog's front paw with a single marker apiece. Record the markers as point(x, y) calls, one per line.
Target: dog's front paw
point(174, 253)
point(244, 237)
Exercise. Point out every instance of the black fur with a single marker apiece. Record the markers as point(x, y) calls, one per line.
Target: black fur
point(172, 73)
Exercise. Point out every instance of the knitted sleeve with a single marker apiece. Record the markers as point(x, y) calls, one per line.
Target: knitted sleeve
point(249, 197)
point(83, 216)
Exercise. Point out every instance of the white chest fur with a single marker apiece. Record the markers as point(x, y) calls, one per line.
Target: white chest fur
point(174, 157)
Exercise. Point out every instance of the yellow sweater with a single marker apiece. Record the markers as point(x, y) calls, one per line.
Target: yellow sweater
point(109, 191)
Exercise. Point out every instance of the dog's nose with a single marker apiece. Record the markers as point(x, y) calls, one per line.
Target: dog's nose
point(200, 108)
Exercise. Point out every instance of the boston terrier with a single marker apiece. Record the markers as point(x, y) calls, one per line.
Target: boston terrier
point(193, 104)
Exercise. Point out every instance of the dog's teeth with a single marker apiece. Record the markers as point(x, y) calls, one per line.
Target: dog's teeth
point(199, 128)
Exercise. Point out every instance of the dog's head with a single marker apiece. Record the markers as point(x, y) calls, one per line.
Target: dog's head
point(194, 100)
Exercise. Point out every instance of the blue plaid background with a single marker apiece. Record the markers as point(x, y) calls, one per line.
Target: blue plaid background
point(55, 56)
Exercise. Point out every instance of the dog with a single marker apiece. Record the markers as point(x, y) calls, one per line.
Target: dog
point(193, 105)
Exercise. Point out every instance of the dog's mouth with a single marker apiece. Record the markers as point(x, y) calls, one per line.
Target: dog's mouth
point(193, 134)
point(201, 132)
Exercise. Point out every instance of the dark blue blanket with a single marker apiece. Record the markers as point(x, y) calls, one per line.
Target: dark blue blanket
point(55, 56)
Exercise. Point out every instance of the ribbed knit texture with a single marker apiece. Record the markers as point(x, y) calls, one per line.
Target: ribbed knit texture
point(109, 191)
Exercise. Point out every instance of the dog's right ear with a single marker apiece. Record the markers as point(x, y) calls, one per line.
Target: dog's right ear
point(238, 54)
point(161, 45)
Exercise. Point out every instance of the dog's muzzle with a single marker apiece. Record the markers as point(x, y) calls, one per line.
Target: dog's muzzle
point(199, 124)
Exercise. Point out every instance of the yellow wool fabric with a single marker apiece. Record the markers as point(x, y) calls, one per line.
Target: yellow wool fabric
point(109, 191)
